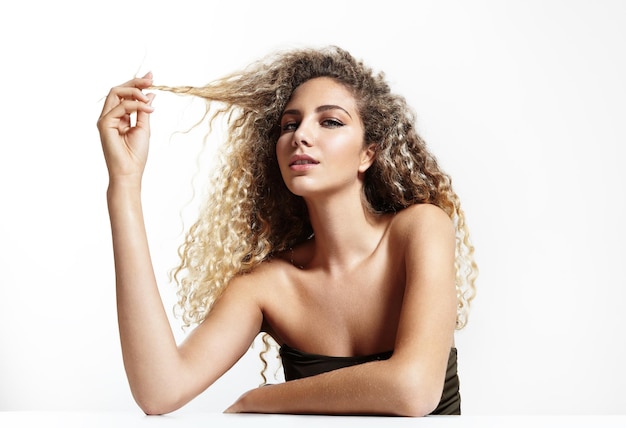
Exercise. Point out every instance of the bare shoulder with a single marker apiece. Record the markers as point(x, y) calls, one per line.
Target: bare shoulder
point(422, 221)
point(259, 282)
point(425, 238)
point(269, 289)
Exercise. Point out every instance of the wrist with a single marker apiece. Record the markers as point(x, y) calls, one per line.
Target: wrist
point(124, 194)
point(125, 184)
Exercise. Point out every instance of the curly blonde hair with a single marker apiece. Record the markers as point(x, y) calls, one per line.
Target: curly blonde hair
point(250, 215)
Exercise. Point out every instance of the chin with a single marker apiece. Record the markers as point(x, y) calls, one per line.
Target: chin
point(301, 188)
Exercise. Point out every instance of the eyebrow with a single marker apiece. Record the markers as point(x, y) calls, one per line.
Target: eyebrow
point(320, 109)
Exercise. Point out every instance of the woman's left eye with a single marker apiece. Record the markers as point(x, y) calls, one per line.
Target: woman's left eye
point(332, 123)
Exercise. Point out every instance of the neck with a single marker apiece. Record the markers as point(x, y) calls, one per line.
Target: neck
point(345, 231)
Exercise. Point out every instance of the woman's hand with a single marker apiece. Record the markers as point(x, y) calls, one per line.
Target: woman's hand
point(237, 406)
point(125, 146)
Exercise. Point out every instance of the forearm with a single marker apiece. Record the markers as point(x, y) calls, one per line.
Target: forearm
point(148, 346)
point(366, 389)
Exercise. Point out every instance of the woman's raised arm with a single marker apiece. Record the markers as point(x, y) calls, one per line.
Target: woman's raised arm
point(162, 376)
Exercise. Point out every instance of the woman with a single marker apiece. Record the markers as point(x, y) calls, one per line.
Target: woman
point(330, 228)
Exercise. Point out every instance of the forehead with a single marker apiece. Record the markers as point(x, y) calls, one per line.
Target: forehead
point(322, 91)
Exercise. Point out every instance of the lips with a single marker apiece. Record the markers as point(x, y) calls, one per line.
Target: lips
point(298, 160)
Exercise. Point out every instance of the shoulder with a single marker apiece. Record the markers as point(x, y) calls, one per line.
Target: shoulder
point(268, 288)
point(424, 237)
point(259, 282)
point(421, 221)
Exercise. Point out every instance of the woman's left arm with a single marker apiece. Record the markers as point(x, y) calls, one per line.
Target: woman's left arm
point(410, 383)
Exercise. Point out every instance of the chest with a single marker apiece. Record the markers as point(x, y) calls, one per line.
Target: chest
point(349, 314)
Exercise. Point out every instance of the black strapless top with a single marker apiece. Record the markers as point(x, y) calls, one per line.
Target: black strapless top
point(298, 364)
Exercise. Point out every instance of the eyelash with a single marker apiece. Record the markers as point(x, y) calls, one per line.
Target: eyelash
point(334, 123)
point(288, 126)
point(330, 123)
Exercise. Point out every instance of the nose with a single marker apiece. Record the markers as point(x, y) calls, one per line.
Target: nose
point(303, 135)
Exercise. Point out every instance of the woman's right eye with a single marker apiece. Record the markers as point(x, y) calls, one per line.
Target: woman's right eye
point(289, 126)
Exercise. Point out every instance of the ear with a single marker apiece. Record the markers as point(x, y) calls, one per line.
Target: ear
point(368, 154)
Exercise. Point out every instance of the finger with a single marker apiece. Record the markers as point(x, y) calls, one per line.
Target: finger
point(137, 82)
point(129, 93)
point(121, 112)
point(140, 82)
point(119, 93)
point(143, 116)
point(130, 107)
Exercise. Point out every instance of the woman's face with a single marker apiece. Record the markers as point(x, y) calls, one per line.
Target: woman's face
point(321, 149)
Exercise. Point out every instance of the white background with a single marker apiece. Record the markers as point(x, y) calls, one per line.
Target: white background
point(523, 103)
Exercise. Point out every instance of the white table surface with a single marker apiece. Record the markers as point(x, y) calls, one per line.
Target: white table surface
point(18, 419)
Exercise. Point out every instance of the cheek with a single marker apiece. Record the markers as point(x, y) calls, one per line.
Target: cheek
point(280, 150)
point(343, 150)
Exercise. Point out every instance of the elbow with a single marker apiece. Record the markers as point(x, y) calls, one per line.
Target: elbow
point(158, 393)
point(411, 409)
point(155, 407)
point(152, 403)
point(149, 410)
point(418, 403)
point(415, 395)
point(152, 409)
